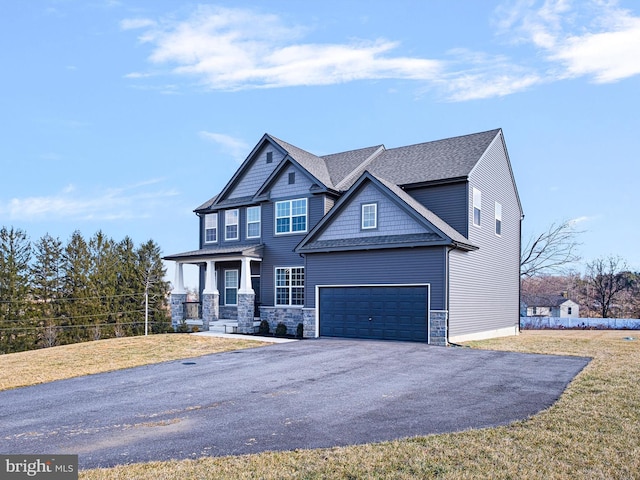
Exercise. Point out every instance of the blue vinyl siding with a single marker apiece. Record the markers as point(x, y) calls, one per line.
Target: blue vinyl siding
point(449, 202)
point(392, 220)
point(484, 293)
point(393, 266)
point(282, 188)
point(256, 174)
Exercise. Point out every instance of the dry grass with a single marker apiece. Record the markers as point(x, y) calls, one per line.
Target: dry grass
point(592, 432)
point(49, 364)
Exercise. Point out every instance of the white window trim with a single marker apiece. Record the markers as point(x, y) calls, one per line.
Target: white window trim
point(477, 195)
point(498, 218)
point(259, 221)
point(227, 224)
point(231, 288)
point(290, 287)
point(291, 216)
point(215, 227)
point(375, 216)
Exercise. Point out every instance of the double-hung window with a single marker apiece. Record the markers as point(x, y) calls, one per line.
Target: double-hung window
point(253, 222)
point(477, 206)
point(211, 228)
point(369, 216)
point(231, 287)
point(498, 219)
point(291, 216)
point(290, 286)
point(231, 224)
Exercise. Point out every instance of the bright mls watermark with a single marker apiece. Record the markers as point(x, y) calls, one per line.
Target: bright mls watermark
point(50, 467)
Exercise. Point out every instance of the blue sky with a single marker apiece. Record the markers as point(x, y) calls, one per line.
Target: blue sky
point(125, 115)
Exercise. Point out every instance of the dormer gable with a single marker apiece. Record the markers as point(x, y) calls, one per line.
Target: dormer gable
point(399, 221)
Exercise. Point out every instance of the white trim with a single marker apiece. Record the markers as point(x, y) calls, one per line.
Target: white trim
point(215, 227)
point(497, 218)
point(226, 270)
point(290, 231)
point(259, 222)
point(428, 285)
point(237, 224)
point(499, 332)
point(290, 287)
point(375, 215)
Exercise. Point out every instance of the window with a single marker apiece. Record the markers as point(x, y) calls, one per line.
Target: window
point(369, 217)
point(291, 216)
point(290, 286)
point(569, 310)
point(231, 287)
point(498, 219)
point(253, 222)
point(231, 225)
point(211, 228)
point(269, 157)
point(477, 206)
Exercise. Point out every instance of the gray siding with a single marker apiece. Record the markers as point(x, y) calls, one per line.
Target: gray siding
point(282, 188)
point(278, 249)
point(392, 220)
point(393, 266)
point(484, 284)
point(256, 174)
point(449, 202)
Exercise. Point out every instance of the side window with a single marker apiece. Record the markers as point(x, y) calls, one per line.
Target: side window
point(211, 228)
point(477, 206)
point(498, 219)
point(231, 287)
point(369, 216)
point(253, 222)
point(231, 224)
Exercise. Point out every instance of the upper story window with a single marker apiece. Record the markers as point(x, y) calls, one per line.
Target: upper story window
point(211, 228)
point(498, 219)
point(231, 225)
point(290, 286)
point(253, 222)
point(291, 216)
point(369, 216)
point(477, 206)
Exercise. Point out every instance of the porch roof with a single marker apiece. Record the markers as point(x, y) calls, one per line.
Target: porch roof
point(203, 254)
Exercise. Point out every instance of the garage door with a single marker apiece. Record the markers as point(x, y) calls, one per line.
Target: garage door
point(379, 312)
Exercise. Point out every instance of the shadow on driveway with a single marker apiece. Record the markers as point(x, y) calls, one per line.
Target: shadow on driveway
point(309, 394)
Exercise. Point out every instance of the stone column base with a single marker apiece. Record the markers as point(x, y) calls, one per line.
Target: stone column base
point(245, 312)
point(210, 309)
point(177, 308)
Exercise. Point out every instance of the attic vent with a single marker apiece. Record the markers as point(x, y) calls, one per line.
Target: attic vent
point(269, 157)
point(292, 178)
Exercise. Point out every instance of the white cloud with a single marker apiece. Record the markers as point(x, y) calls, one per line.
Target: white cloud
point(236, 147)
point(593, 38)
point(128, 202)
point(136, 23)
point(223, 49)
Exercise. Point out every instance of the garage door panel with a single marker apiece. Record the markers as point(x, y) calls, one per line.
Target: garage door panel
point(389, 312)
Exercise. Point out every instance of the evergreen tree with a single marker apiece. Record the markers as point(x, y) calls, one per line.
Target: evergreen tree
point(130, 291)
point(15, 254)
point(152, 272)
point(103, 283)
point(77, 308)
point(46, 288)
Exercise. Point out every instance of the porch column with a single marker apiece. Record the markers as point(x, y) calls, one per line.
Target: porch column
point(210, 296)
point(246, 297)
point(178, 297)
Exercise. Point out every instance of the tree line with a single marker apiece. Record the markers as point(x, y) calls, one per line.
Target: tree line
point(606, 289)
point(55, 293)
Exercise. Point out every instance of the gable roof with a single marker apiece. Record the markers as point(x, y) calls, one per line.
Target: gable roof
point(440, 233)
point(542, 300)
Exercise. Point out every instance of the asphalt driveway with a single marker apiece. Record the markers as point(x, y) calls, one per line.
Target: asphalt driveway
point(309, 394)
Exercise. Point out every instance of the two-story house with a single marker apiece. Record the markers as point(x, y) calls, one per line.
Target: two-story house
point(419, 243)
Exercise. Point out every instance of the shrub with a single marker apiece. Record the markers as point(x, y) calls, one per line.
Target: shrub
point(300, 331)
point(263, 329)
point(281, 330)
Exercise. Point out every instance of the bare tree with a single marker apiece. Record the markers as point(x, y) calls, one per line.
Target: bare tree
point(551, 251)
point(608, 277)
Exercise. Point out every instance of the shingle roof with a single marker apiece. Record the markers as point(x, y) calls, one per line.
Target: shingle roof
point(341, 165)
point(253, 249)
point(541, 300)
point(315, 165)
point(439, 160)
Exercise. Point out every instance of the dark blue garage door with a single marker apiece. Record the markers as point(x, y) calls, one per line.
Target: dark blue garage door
point(389, 313)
